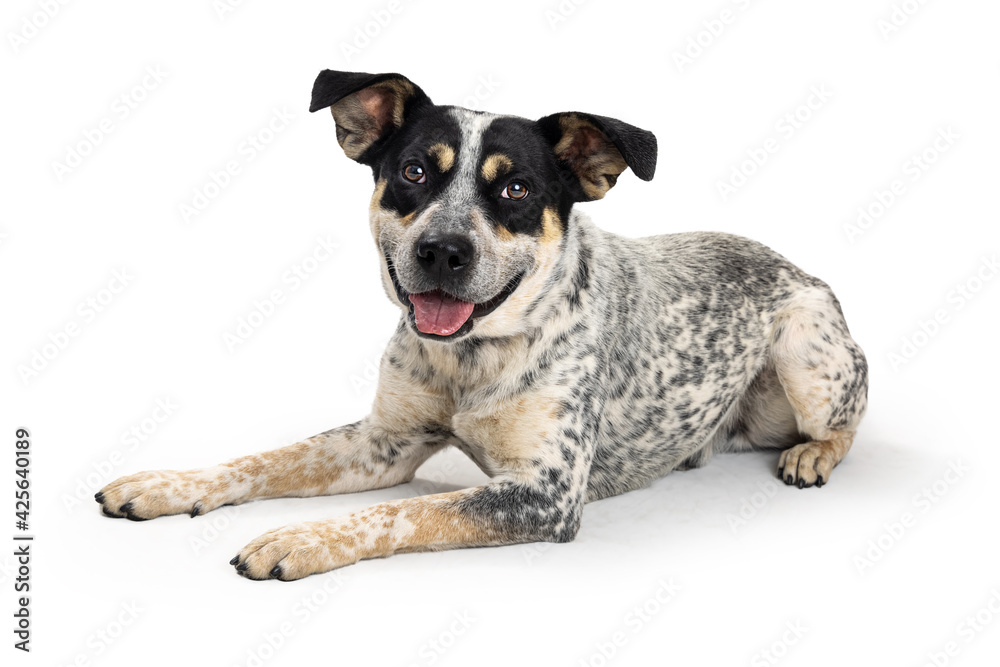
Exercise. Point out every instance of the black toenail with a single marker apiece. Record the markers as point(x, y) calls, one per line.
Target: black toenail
point(235, 560)
point(275, 572)
point(242, 567)
point(126, 509)
point(99, 497)
point(196, 511)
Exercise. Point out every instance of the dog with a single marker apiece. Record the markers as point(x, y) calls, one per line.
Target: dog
point(568, 363)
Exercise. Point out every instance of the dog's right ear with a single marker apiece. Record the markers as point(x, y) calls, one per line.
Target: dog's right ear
point(366, 107)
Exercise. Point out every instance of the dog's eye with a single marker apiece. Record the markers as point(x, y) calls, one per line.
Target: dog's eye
point(414, 173)
point(515, 190)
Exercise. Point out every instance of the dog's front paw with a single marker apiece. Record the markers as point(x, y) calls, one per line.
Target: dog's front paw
point(147, 495)
point(295, 551)
point(808, 464)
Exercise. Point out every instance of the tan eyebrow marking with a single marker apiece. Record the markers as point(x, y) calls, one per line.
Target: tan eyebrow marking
point(444, 154)
point(493, 164)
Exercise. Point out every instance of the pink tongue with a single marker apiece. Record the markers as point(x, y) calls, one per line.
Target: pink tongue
point(440, 313)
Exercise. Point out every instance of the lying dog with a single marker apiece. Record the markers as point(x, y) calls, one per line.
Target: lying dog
point(568, 363)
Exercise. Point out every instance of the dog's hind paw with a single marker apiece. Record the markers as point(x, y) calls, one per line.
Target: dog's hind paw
point(811, 463)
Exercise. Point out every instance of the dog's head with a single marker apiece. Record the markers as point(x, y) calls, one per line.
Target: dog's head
point(470, 209)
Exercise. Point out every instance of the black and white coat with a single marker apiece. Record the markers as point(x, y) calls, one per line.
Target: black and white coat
point(591, 363)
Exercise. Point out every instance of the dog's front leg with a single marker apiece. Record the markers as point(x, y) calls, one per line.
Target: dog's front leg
point(384, 449)
point(507, 512)
point(539, 467)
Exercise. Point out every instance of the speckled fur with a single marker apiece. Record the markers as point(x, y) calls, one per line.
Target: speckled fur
point(614, 362)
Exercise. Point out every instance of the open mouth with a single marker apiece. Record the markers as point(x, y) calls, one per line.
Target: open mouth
point(437, 314)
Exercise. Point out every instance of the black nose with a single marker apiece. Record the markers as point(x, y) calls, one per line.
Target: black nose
point(443, 255)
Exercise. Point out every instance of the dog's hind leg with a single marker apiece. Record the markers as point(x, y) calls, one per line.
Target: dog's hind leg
point(825, 377)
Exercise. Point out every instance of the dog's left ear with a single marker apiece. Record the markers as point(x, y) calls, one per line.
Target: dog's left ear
point(366, 107)
point(597, 149)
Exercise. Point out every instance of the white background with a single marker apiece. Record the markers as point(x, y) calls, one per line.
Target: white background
point(793, 558)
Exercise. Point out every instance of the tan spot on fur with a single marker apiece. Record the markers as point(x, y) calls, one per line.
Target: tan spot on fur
point(551, 227)
point(494, 165)
point(444, 155)
point(378, 216)
point(401, 402)
point(509, 435)
point(303, 478)
point(374, 207)
point(437, 522)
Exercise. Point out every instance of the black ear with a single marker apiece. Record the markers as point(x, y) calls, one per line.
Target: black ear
point(366, 107)
point(596, 149)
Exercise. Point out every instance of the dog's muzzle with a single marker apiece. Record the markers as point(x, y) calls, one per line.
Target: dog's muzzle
point(444, 260)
